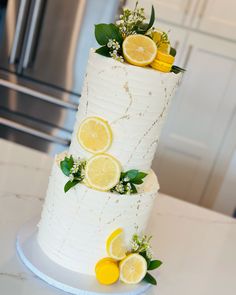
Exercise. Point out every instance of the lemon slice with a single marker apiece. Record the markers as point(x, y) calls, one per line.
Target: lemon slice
point(95, 135)
point(102, 172)
point(115, 245)
point(139, 50)
point(133, 269)
point(164, 47)
point(161, 46)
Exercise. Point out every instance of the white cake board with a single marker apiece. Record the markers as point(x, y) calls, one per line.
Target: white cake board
point(69, 281)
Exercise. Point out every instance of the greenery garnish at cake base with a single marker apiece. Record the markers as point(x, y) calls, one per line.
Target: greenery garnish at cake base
point(74, 169)
point(142, 246)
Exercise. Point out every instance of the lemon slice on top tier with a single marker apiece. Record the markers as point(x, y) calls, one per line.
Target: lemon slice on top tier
point(95, 135)
point(102, 172)
point(115, 245)
point(139, 50)
point(133, 269)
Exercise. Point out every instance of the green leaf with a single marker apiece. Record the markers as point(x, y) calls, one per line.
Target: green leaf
point(152, 18)
point(139, 178)
point(150, 279)
point(104, 32)
point(177, 70)
point(132, 174)
point(172, 51)
point(66, 165)
point(133, 189)
point(70, 184)
point(143, 28)
point(104, 50)
point(144, 254)
point(154, 264)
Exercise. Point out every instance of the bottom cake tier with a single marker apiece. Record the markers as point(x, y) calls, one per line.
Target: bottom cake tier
point(74, 226)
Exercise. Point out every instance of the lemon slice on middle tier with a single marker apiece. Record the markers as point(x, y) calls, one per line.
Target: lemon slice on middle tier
point(102, 172)
point(95, 135)
point(115, 245)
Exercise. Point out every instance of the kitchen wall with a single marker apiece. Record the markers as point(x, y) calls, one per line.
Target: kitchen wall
point(195, 160)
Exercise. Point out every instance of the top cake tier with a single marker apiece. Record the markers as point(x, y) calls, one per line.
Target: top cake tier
point(134, 101)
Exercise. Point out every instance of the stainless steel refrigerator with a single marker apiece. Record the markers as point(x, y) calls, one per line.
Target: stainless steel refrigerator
point(44, 47)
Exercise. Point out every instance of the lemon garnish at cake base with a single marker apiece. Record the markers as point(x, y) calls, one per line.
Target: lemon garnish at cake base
point(133, 269)
point(115, 245)
point(95, 135)
point(102, 172)
point(139, 50)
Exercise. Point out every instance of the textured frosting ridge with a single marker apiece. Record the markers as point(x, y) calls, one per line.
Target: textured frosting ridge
point(74, 227)
point(133, 100)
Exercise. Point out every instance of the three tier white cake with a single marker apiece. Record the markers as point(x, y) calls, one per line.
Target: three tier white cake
point(134, 101)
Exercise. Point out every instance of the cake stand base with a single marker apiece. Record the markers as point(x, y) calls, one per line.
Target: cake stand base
point(69, 281)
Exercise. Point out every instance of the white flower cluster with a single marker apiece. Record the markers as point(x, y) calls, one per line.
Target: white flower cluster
point(130, 20)
point(77, 170)
point(141, 245)
point(123, 188)
point(114, 47)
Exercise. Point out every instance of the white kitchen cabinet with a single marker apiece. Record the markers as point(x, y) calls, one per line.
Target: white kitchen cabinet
point(198, 119)
point(174, 11)
point(217, 17)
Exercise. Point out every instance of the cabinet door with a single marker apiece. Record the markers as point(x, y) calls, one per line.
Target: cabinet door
point(175, 11)
point(218, 17)
point(198, 118)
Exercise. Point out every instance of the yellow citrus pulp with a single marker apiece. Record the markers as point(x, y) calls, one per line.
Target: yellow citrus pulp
point(161, 46)
point(107, 271)
point(139, 50)
point(102, 172)
point(115, 245)
point(133, 269)
point(95, 135)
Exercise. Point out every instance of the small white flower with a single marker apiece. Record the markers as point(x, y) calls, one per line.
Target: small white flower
point(126, 179)
point(71, 177)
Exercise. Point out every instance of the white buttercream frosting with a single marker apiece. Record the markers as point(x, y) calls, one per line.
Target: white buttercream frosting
point(133, 100)
point(74, 226)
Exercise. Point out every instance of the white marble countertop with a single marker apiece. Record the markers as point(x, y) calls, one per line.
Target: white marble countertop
point(197, 246)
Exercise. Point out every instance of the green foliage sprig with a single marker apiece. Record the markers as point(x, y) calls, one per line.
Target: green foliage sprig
point(142, 246)
point(177, 70)
point(128, 182)
point(74, 169)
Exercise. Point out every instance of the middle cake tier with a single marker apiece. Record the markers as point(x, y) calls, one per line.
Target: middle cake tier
point(133, 100)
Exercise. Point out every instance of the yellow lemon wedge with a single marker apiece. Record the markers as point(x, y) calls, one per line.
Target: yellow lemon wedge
point(95, 135)
point(102, 172)
point(133, 269)
point(139, 50)
point(161, 46)
point(107, 271)
point(115, 245)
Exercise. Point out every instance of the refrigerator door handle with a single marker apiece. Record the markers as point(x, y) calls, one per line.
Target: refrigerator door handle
point(32, 32)
point(39, 95)
point(18, 31)
point(34, 132)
